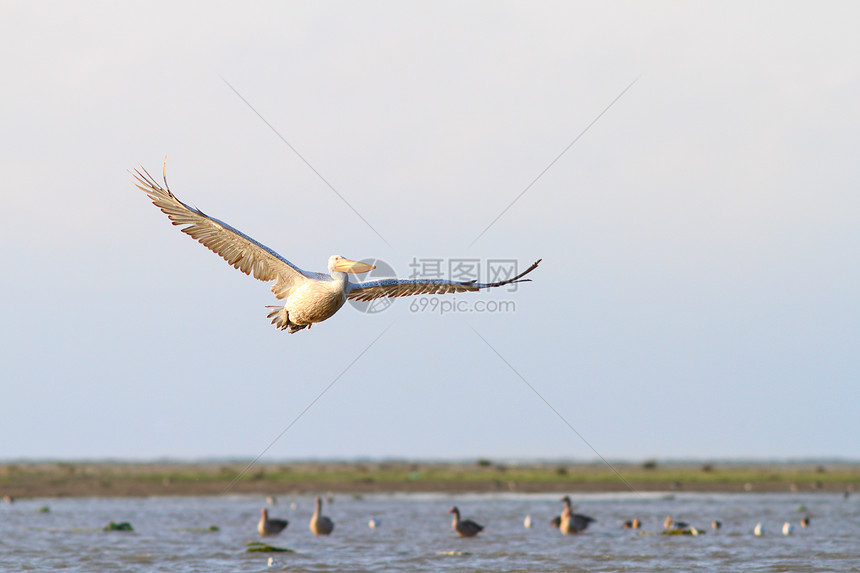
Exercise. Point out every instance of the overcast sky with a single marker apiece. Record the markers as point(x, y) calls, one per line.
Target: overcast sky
point(698, 295)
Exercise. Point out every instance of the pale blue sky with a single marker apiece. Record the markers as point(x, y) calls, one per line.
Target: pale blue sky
point(698, 295)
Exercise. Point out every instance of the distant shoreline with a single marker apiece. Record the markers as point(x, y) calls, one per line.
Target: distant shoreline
point(119, 479)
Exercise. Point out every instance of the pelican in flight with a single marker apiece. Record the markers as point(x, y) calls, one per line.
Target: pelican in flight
point(309, 297)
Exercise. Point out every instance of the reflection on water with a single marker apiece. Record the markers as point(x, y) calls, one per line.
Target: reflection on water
point(414, 534)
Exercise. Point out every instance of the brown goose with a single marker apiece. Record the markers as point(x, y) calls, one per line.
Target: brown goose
point(320, 524)
point(572, 522)
point(270, 526)
point(464, 527)
point(632, 524)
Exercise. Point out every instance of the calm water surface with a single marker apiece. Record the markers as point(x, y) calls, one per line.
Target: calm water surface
point(170, 534)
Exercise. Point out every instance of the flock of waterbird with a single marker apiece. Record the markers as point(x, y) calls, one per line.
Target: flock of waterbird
point(680, 527)
point(319, 524)
point(568, 523)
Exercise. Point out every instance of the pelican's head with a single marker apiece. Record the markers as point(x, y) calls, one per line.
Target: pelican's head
point(338, 264)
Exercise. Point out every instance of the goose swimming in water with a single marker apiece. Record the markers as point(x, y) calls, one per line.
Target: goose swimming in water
point(270, 526)
point(309, 297)
point(320, 524)
point(672, 524)
point(571, 523)
point(464, 527)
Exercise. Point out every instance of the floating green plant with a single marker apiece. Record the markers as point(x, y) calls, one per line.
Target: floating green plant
point(124, 526)
point(260, 547)
point(691, 531)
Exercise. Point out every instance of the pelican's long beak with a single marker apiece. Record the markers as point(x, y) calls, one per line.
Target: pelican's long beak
point(347, 266)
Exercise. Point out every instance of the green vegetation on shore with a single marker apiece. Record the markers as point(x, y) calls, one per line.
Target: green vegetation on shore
point(91, 478)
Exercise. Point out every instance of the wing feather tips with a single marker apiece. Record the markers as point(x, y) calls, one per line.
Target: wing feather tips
point(517, 279)
point(222, 240)
point(396, 289)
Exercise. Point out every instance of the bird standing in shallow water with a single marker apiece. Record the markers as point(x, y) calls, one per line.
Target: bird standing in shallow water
point(320, 524)
point(270, 526)
point(464, 527)
point(570, 522)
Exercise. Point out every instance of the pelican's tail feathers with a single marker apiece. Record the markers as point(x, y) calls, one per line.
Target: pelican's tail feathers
point(281, 319)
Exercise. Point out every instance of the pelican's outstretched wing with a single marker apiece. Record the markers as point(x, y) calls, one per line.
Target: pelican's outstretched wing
point(393, 288)
point(239, 250)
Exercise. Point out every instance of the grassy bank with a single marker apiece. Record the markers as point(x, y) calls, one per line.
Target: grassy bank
point(131, 479)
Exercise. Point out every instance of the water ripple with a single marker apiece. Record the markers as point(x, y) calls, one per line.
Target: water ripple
point(174, 535)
